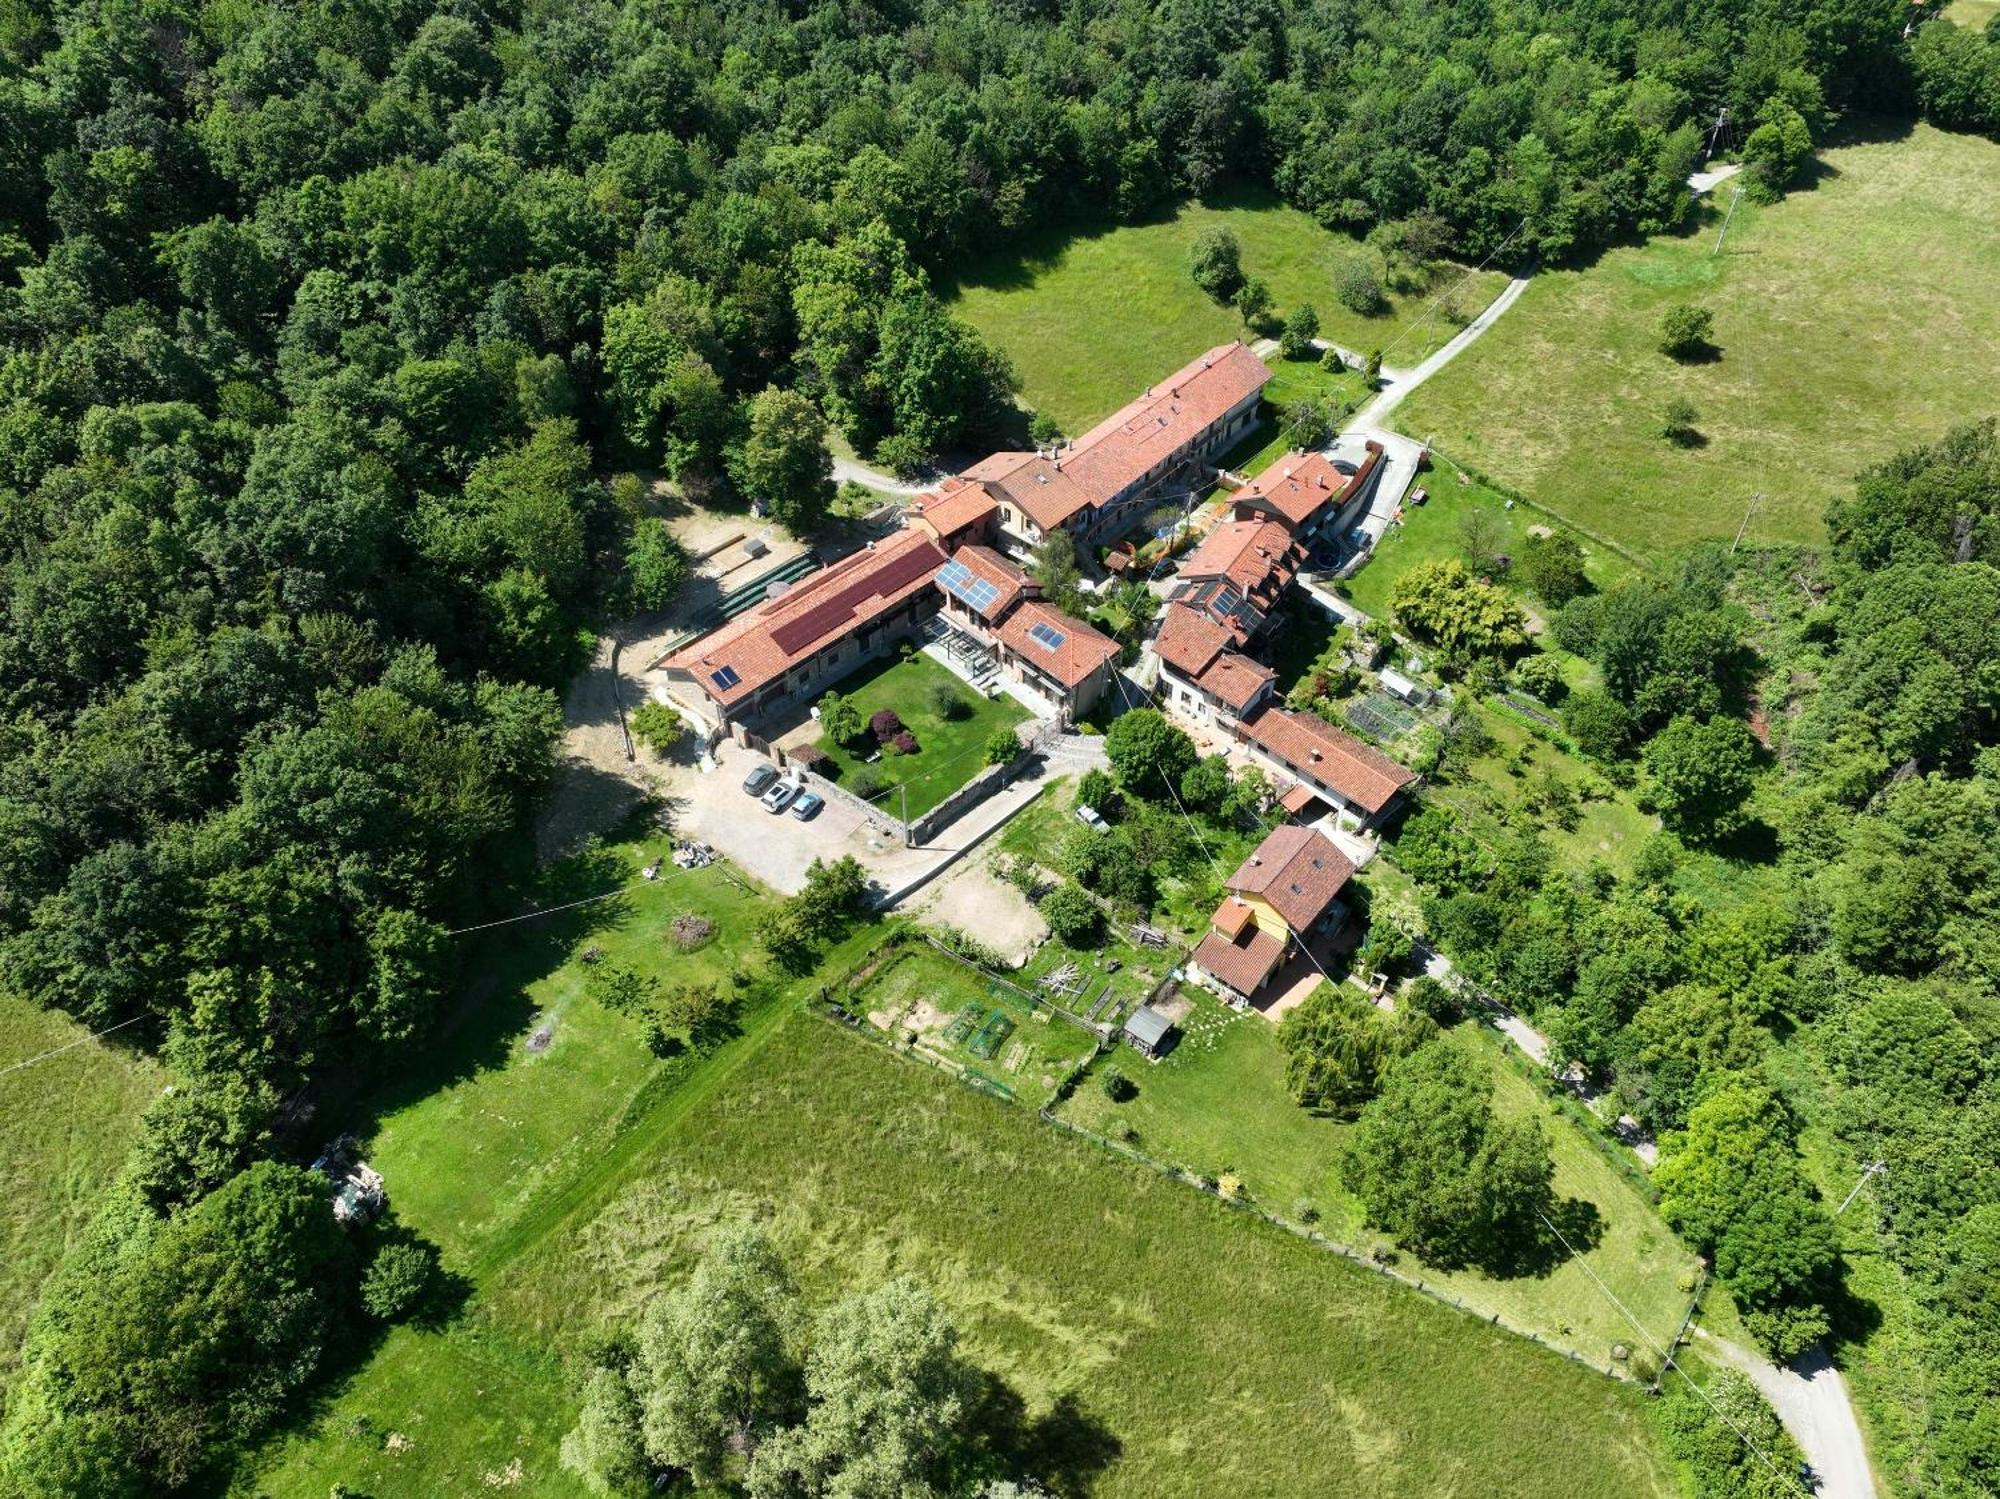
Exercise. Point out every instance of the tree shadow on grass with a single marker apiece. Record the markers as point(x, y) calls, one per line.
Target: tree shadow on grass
point(1065, 1449)
point(1574, 1228)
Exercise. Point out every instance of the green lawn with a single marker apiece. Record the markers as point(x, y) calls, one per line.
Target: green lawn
point(68, 1122)
point(1213, 1355)
point(1090, 319)
point(1292, 380)
point(1217, 1106)
point(949, 751)
point(1976, 15)
point(1431, 532)
point(1853, 319)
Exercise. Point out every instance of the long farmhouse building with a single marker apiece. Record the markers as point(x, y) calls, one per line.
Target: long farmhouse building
point(795, 645)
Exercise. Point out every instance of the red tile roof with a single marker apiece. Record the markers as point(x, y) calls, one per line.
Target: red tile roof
point(1038, 486)
point(1235, 680)
point(1231, 917)
point(1258, 556)
point(1300, 485)
point(764, 643)
point(1082, 650)
point(954, 507)
point(1189, 640)
point(1318, 751)
point(1243, 964)
point(1013, 584)
point(1298, 870)
point(1296, 797)
point(1118, 451)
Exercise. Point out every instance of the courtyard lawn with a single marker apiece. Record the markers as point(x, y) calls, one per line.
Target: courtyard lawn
point(1431, 532)
point(1166, 1344)
point(949, 751)
point(1082, 352)
point(1855, 318)
point(1217, 1106)
point(68, 1121)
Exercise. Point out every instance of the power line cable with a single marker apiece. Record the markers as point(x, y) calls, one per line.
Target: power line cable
point(69, 1046)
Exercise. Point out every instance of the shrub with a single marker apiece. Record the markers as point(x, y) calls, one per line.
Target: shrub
point(1002, 745)
point(1044, 430)
point(1428, 997)
point(1072, 916)
point(867, 782)
point(1684, 331)
point(1359, 290)
point(1677, 423)
point(657, 726)
point(1552, 566)
point(904, 456)
point(1097, 790)
point(839, 718)
point(1301, 328)
point(884, 725)
point(1216, 263)
point(904, 743)
point(1254, 303)
point(398, 1279)
point(1541, 676)
point(1118, 1087)
point(948, 701)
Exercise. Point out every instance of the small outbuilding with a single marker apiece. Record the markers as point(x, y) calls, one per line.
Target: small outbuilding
point(1149, 1032)
point(355, 1188)
point(1397, 685)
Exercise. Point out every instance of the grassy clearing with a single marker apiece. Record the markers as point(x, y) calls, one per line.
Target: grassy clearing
point(1217, 1106)
point(1431, 532)
point(1975, 15)
point(949, 751)
point(68, 1122)
point(1212, 1354)
point(1292, 380)
point(1853, 319)
point(1090, 319)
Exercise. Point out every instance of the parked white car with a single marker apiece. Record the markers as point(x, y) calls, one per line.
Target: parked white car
point(780, 796)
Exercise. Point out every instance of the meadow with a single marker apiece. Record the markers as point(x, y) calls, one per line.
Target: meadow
point(1091, 318)
point(68, 1121)
point(1853, 319)
point(1217, 1106)
point(1138, 1322)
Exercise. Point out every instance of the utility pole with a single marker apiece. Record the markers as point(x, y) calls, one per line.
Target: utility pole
point(1748, 511)
point(1874, 1168)
point(1715, 131)
point(1734, 200)
point(905, 789)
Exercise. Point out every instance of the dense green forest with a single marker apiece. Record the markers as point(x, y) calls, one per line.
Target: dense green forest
point(1873, 674)
point(321, 325)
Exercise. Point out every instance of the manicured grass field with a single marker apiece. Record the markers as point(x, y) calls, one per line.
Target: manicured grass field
point(1975, 15)
point(67, 1122)
point(950, 752)
point(1090, 319)
point(1216, 1105)
point(1853, 319)
point(1211, 1354)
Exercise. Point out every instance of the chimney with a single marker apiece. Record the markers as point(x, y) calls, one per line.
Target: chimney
point(1317, 757)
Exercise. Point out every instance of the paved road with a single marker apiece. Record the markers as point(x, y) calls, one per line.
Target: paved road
point(1810, 1397)
point(1395, 389)
point(845, 469)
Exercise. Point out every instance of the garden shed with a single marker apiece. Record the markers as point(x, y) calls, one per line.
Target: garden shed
point(1148, 1031)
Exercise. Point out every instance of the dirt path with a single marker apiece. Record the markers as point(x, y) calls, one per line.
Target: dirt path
point(1810, 1398)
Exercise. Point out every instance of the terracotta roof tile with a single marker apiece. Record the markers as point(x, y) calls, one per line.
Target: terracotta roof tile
point(1119, 450)
point(1243, 964)
point(1235, 680)
point(954, 507)
point(1038, 486)
point(1258, 557)
point(1298, 870)
point(1298, 486)
point(764, 643)
point(1318, 751)
point(1078, 649)
point(1189, 640)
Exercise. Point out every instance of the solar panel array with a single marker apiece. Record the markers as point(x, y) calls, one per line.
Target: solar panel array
point(961, 582)
point(726, 678)
point(1046, 636)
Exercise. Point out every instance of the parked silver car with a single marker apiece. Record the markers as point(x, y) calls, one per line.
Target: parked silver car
point(759, 779)
point(806, 808)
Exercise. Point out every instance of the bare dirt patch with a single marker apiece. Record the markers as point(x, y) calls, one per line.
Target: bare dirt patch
point(993, 913)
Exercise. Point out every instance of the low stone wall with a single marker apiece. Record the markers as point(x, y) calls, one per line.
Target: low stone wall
point(963, 800)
